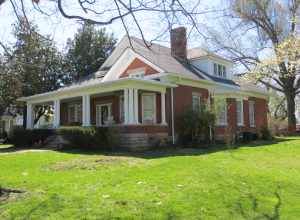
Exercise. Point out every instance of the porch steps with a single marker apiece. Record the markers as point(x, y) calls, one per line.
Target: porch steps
point(55, 142)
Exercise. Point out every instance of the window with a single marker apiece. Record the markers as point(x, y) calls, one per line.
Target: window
point(220, 70)
point(215, 69)
point(122, 112)
point(224, 72)
point(136, 73)
point(75, 113)
point(196, 101)
point(149, 108)
point(103, 114)
point(251, 114)
point(239, 112)
point(221, 112)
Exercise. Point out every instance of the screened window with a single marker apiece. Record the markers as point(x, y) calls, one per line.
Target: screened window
point(224, 72)
point(222, 113)
point(239, 112)
point(196, 102)
point(148, 108)
point(251, 114)
point(215, 69)
point(136, 73)
point(103, 114)
point(75, 113)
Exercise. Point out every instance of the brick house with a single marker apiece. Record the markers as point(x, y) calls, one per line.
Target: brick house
point(140, 91)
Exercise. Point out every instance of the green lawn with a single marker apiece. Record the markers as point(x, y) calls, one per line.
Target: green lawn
point(246, 183)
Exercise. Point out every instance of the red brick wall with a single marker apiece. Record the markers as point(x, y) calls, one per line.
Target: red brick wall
point(260, 114)
point(158, 107)
point(148, 129)
point(114, 99)
point(183, 100)
point(231, 114)
point(64, 121)
point(136, 63)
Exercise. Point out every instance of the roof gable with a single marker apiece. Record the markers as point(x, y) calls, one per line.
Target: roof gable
point(137, 64)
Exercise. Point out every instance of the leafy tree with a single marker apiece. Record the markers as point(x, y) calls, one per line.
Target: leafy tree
point(33, 66)
point(263, 37)
point(39, 65)
point(89, 49)
point(10, 87)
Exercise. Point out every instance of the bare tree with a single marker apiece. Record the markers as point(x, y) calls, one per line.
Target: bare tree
point(262, 36)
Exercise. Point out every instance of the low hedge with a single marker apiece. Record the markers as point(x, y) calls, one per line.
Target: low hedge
point(89, 137)
point(21, 137)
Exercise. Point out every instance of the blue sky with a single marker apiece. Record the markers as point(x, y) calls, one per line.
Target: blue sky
point(60, 29)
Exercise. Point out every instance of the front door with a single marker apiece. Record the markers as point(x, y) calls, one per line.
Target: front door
point(103, 114)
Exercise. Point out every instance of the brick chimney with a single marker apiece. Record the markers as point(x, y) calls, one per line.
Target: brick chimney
point(179, 43)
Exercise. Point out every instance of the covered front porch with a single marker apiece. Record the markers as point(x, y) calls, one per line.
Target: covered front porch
point(122, 103)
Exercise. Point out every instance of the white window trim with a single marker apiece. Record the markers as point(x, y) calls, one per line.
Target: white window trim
point(109, 113)
point(154, 104)
point(223, 76)
point(198, 95)
point(137, 73)
point(252, 125)
point(242, 112)
point(225, 123)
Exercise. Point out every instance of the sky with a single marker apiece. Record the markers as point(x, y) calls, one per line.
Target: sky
point(60, 29)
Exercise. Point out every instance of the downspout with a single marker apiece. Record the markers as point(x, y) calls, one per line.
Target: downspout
point(172, 112)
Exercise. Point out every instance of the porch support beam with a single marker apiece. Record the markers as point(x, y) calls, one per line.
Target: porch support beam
point(126, 115)
point(163, 108)
point(56, 120)
point(29, 116)
point(130, 106)
point(136, 106)
point(86, 110)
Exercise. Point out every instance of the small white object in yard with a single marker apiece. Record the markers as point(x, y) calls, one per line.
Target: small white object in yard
point(159, 203)
point(25, 174)
point(105, 196)
point(140, 182)
point(179, 185)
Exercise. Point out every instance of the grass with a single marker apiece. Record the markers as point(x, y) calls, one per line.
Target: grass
point(245, 183)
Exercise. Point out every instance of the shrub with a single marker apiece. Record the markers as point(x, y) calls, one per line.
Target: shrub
point(89, 137)
point(196, 126)
point(21, 137)
point(265, 134)
point(247, 136)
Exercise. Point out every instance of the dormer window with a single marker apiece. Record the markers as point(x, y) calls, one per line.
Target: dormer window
point(220, 70)
point(136, 73)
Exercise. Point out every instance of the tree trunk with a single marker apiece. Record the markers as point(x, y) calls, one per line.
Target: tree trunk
point(290, 99)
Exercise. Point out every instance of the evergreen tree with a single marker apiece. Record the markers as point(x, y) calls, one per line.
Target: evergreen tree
point(88, 50)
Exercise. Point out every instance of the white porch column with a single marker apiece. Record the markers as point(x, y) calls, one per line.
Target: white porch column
point(86, 110)
point(163, 108)
point(29, 114)
point(126, 114)
point(136, 106)
point(56, 120)
point(130, 106)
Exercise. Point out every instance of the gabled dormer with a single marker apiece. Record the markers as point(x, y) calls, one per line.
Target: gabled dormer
point(210, 63)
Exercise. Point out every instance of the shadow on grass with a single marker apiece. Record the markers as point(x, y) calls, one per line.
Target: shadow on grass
point(169, 151)
point(254, 212)
point(172, 151)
